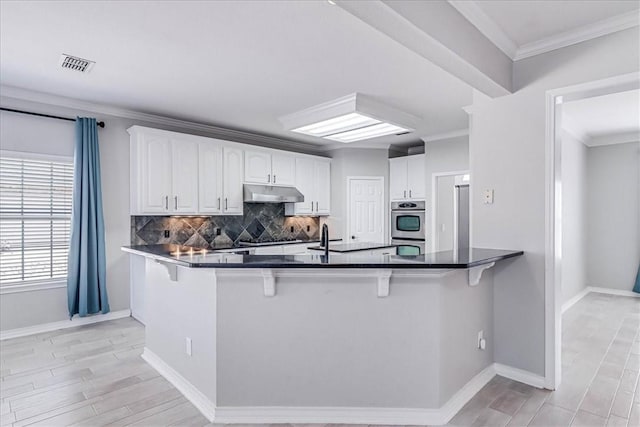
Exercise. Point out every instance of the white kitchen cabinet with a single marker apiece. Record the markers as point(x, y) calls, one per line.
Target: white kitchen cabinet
point(164, 174)
point(232, 187)
point(220, 179)
point(398, 178)
point(184, 177)
point(407, 180)
point(210, 178)
point(313, 179)
point(322, 181)
point(283, 169)
point(180, 174)
point(272, 168)
point(416, 181)
point(257, 167)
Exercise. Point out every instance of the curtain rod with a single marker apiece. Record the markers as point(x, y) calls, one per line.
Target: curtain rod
point(100, 124)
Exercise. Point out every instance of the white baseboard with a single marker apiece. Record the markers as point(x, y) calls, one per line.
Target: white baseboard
point(63, 324)
point(356, 415)
point(571, 302)
point(189, 391)
point(319, 415)
point(520, 375)
point(610, 291)
point(598, 289)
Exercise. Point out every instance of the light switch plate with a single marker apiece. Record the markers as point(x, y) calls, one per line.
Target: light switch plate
point(488, 197)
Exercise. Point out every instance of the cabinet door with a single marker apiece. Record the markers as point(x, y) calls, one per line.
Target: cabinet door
point(398, 178)
point(322, 183)
point(416, 177)
point(257, 167)
point(184, 177)
point(233, 196)
point(210, 178)
point(155, 174)
point(283, 168)
point(305, 183)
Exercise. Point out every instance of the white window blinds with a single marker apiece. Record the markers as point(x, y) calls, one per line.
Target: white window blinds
point(35, 218)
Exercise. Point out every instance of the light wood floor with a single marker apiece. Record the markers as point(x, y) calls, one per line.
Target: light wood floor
point(93, 376)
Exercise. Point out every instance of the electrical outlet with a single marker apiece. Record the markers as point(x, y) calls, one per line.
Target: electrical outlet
point(482, 342)
point(188, 346)
point(488, 197)
point(166, 234)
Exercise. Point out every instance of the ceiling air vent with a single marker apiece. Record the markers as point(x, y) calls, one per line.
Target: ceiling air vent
point(75, 63)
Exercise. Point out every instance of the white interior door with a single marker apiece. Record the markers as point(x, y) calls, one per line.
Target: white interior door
point(366, 210)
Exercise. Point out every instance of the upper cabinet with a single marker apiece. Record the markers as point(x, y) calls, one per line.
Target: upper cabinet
point(313, 179)
point(163, 173)
point(264, 167)
point(179, 174)
point(220, 179)
point(407, 180)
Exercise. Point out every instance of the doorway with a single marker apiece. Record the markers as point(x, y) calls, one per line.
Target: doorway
point(449, 213)
point(554, 212)
point(365, 209)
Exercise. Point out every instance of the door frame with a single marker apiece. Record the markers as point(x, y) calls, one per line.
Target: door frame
point(385, 209)
point(434, 198)
point(553, 209)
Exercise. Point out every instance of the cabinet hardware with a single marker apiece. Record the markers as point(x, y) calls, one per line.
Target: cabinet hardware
point(409, 193)
point(166, 203)
point(269, 178)
point(274, 178)
point(175, 198)
point(312, 206)
point(317, 207)
point(405, 193)
point(226, 204)
point(218, 203)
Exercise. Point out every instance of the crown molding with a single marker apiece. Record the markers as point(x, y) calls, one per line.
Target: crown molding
point(487, 26)
point(616, 138)
point(446, 135)
point(578, 35)
point(20, 94)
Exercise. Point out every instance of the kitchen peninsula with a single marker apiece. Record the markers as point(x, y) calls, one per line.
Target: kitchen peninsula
point(349, 338)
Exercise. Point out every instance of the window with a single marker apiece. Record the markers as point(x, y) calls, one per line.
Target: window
point(35, 218)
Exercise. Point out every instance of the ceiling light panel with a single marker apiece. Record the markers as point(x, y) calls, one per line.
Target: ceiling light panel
point(338, 124)
point(351, 118)
point(368, 132)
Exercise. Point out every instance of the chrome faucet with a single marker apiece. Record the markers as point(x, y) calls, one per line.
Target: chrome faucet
point(324, 239)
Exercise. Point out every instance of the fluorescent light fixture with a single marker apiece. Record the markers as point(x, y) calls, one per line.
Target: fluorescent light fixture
point(337, 125)
point(374, 131)
point(351, 118)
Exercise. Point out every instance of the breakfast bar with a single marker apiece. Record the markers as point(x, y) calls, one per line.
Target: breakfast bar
point(348, 338)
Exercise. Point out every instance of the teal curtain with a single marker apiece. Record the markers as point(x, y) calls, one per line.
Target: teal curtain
point(86, 281)
point(636, 288)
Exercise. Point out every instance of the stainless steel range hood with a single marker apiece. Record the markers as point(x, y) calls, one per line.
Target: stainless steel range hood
point(271, 194)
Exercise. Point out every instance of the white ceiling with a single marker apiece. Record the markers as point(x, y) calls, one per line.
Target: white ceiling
point(607, 119)
point(227, 63)
point(243, 64)
point(527, 21)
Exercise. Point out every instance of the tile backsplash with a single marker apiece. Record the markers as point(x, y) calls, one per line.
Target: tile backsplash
point(261, 222)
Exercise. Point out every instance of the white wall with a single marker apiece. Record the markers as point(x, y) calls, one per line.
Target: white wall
point(613, 221)
point(347, 162)
point(446, 155)
point(507, 154)
point(574, 216)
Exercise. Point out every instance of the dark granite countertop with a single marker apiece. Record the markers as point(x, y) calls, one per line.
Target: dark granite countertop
point(190, 257)
point(352, 247)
